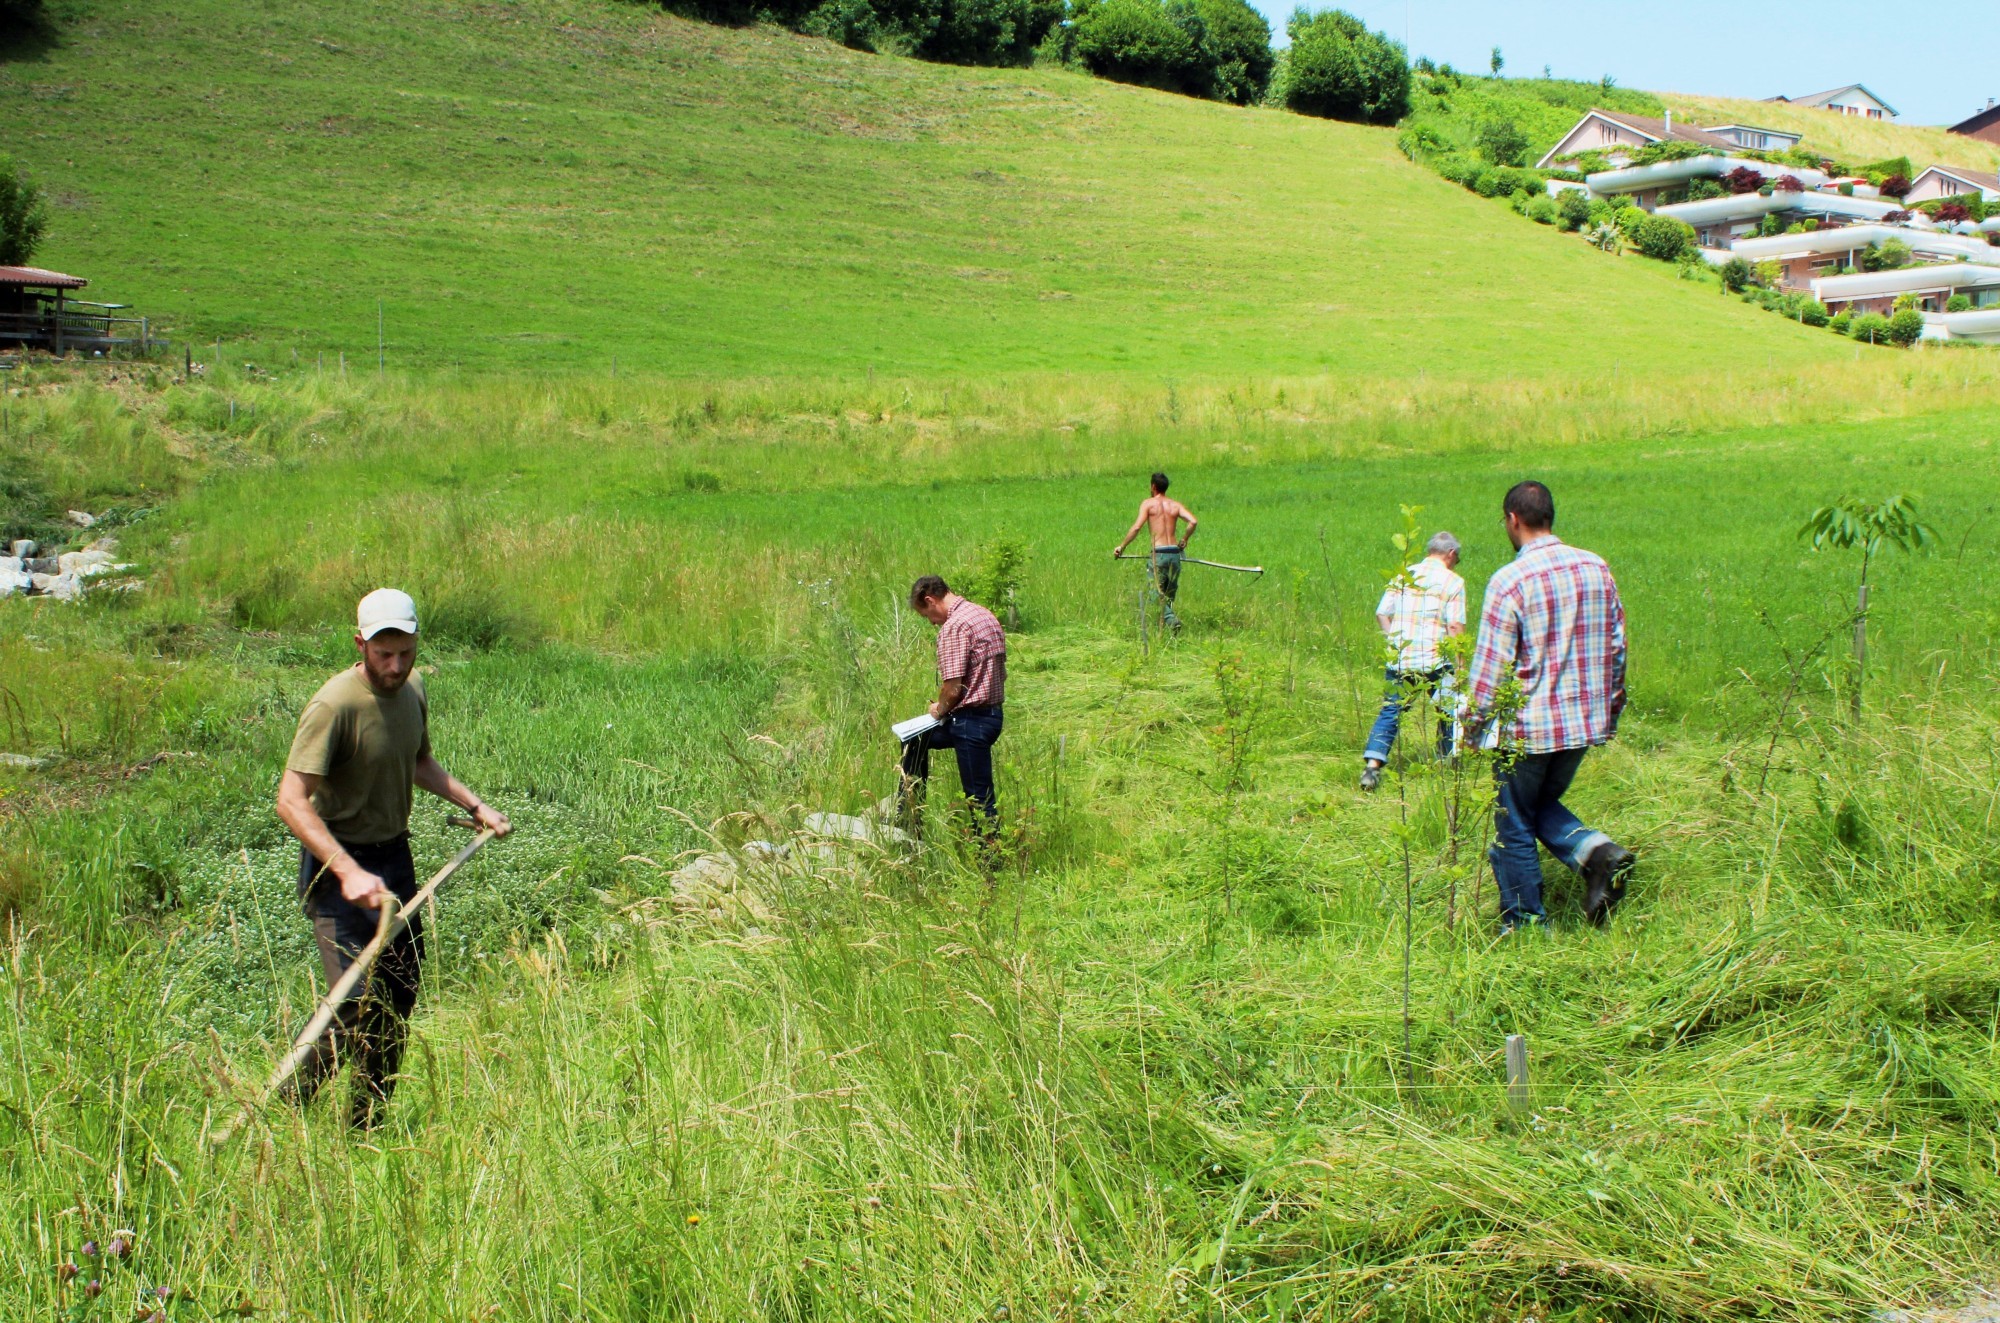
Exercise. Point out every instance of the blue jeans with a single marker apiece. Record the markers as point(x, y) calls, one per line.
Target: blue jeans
point(970, 732)
point(1531, 810)
point(1402, 691)
point(1167, 579)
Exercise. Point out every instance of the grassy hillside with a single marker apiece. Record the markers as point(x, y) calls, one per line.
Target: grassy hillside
point(1843, 137)
point(552, 183)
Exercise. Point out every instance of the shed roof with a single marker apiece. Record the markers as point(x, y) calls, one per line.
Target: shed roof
point(36, 276)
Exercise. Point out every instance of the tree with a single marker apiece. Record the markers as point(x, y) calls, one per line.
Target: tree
point(1237, 49)
point(1496, 62)
point(1572, 209)
point(1889, 255)
point(24, 216)
point(1895, 186)
point(1135, 41)
point(1851, 522)
point(1340, 70)
point(1737, 275)
point(1502, 142)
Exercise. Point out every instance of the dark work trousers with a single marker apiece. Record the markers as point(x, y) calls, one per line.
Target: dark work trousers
point(369, 1027)
point(971, 732)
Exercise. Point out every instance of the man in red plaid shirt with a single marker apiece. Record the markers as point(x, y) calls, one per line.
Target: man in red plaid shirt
point(972, 683)
point(1554, 625)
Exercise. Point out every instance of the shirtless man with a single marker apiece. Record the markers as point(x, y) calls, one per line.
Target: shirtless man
point(1162, 514)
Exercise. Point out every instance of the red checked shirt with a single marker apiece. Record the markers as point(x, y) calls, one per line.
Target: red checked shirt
point(972, 648)
point(1552, 617)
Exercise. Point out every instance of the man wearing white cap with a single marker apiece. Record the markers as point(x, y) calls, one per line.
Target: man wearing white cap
point(363, 743)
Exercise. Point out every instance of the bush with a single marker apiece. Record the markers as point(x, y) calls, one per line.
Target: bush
point(1895, 186)
point(1737, 275)
point(1663, 237)
point(1628, 218)
point(990, 31)
point(1422, 142)
point(1138, 42)
point(24, 217)
point(1237, 49)
point(1743, 180)
point(1501, 142)
point(1906, 327)
point(1790, 184)
point(1655, 152)
point(1889, 255)
point(1340, 70)
point(1958, 303)
point(1871, 327)
point(1840, 323)
point(1770, 225)
point(1879, 173)
point(1806, 309)
point(1572, 209)
point(1542, 210)
point(1460, 168)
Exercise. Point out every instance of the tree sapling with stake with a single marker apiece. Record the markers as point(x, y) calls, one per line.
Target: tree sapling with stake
point(1851, 522)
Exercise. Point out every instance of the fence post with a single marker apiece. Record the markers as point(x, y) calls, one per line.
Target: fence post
point(1517, 1073)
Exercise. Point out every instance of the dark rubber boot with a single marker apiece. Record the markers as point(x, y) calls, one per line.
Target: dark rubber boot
point(1604, 875)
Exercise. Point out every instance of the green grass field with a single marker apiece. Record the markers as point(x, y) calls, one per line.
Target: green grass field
point(1154, 1066)
point(552, 184)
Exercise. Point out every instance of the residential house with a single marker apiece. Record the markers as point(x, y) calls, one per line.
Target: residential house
point(1946, 181)
point(1931, 285)
point(1984, 126)
point(1718, 222)
point(1645, 185)
point(1621, 137)
point(1854, 99)
point(1817, 254)
point(1755, 139)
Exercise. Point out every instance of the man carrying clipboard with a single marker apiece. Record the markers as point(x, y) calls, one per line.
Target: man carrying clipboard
point(972, 680)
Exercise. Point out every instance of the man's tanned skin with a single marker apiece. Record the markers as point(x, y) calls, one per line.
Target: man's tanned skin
point(1161, 514)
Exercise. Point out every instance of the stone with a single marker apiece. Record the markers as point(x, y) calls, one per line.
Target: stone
point(841, 826)
point(83, 518)
point(65, 587)
point(25, 547)
point(22, 761)
point(14, 579)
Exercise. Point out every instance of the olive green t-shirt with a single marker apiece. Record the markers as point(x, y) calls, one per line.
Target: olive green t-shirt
point(364, 745)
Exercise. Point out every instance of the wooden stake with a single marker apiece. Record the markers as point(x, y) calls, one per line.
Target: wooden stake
point(1517, 1073)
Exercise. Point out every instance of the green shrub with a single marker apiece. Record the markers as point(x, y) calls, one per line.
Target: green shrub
point(1662, 237)
point(1460, 168)
point(1140, 42)
point(1958, 303)
point(1840, 323)
point(1906, 327)
point(1871, 327)
point(1877, 172)
point(1423, 142)
point(1770, 225)
point(1737, 275)
point(1236, 46)
point(1501, 142)
point(1655, 152)
point(1542, 210)
point(24, 217)
point(1888, 255)
point(1340, 70)
point(1700, 190)
point(1573, 210)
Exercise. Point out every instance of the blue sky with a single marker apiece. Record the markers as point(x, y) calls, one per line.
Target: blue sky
point(1936, 63)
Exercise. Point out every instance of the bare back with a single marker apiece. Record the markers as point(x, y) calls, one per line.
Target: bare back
point(1163, 516)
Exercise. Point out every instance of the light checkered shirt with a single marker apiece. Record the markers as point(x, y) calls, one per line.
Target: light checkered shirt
point(1420, 610)
point(972, 647)
point(1552, 617)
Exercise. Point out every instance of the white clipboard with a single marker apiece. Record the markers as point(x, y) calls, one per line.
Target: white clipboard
point(915, 726)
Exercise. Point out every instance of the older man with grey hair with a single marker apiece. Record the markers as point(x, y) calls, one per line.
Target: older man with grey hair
point(1419, 611)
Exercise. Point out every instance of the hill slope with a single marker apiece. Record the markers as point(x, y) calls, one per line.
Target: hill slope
point(554, 182)
point(1851, 140)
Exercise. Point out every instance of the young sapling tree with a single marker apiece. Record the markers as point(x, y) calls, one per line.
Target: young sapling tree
point(1869, 525)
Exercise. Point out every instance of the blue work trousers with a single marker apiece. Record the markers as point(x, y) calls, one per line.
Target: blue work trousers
point(1530, 811)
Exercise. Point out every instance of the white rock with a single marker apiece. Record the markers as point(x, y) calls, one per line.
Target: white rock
point(65, 587)
point(14, 579)
point(83, 518)
point(841, 826)
point(22, 760)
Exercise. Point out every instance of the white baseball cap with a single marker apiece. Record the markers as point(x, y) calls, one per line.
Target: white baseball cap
point(385, 608)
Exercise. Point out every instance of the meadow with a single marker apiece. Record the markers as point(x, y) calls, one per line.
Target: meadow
point(701, 345)
point(1152, 1068)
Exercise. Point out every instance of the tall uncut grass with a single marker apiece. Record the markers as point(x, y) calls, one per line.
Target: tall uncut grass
point(1092, 1082)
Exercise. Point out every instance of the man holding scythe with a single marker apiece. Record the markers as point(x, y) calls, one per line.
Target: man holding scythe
point(363, 743)
point(1163, 515)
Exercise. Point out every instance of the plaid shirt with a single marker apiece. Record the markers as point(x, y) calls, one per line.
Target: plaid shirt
point(972, 648)
point(1419, 610)
point(1552, 617)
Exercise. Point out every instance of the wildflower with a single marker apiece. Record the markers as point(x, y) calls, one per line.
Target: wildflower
point(694, 1219)
point(89, 1249)
point(66, 1272)
point(874, 1201)
point(120, 1246)
point(93, 1287)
